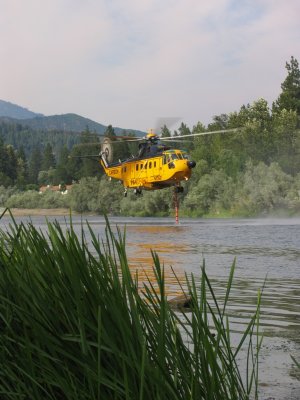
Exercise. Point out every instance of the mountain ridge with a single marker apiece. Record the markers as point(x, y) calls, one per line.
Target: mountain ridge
point(8, 109)
point(69, 122)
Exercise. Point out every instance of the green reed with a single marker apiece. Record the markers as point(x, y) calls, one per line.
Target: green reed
point(74, 325)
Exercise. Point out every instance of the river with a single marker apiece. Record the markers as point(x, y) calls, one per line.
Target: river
point(263, 248)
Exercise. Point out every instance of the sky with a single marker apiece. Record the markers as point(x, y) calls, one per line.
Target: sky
point(130, 62)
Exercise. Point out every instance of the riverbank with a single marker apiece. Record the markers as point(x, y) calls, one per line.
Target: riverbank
point(42, 212)
point(53, 212)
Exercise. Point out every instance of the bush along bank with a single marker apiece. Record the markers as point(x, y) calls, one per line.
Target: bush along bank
point(257, 191)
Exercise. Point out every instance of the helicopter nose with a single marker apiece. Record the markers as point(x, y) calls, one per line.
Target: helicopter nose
point(191, 164)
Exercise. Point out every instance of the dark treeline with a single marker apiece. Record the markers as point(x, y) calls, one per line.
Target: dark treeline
point(255, 168)
point(29, 157)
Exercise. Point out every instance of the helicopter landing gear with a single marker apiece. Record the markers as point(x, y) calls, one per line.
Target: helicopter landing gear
point(138, 192)
point(125, 192)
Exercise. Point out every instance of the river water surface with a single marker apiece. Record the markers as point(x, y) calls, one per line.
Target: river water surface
point(263, 248)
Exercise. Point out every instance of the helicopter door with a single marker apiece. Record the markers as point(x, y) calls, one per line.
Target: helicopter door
point(138, 172)
point(153, 169)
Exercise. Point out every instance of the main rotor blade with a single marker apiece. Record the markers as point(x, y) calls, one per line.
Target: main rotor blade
point(199, 134)
point(130, 139)
point(86, 156)
point(175, 140)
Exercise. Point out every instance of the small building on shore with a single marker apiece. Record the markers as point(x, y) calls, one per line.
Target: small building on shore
point(63, 189)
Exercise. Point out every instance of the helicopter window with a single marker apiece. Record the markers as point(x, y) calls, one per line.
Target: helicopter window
point(124, 169)
point(174, 156)
point(150, 164)
point(179, 156)
point(141, 166)
point(164, 159)
point(154, 164)
point(146, 166)
point(137, 167)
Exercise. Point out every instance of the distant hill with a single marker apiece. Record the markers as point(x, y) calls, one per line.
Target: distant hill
point(64, 122)
point(11, 110)
point(12, 113)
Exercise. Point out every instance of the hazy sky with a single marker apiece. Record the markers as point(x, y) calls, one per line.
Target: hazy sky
point(128, 62)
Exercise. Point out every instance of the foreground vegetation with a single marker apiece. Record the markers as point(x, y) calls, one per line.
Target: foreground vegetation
point(74, 325)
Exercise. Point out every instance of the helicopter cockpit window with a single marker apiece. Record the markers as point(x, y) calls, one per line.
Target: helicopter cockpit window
point(174, 156)
point(179, 156)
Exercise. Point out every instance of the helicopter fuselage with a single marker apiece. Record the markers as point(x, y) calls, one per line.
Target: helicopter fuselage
point(168, 168)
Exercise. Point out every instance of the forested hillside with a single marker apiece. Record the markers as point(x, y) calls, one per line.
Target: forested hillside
point(11, 110)
point(58, 123)
point(56, 130)
point(252, 171)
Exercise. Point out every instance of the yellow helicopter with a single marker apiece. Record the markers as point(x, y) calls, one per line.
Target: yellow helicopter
point(155, 167)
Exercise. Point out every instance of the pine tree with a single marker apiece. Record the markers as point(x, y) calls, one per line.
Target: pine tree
point(185, 130)
point(88, 137)
point(110, 132)
point(11, 163)
point(165, 131)
point(34, 165)
point(289, 98)
point(62, 172)
point(48, 160)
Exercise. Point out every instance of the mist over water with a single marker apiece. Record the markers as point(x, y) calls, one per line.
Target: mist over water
point(263, 248)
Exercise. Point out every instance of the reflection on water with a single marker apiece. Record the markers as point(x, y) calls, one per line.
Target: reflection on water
point(141, 260)
point(264, 249)
point(262, 252)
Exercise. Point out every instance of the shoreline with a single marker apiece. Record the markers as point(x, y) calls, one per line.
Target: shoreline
point(59, 212)
point(40, 212)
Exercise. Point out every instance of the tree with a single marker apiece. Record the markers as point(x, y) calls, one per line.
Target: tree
point(11, 162)
point(35, 163)
point(213, 190)
point(220, 122)
point(185, 130)
point(62, 171)
point(21, 173)
point(3, 164)
point(110, 132)
point(8, 164)
point(199, 127)
point(21, 153)
point(256, 139)
point(263, 188)
point(88, 137)
point(48, 160)
point(165, 131)
point(287, 141)
point(289, 98)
